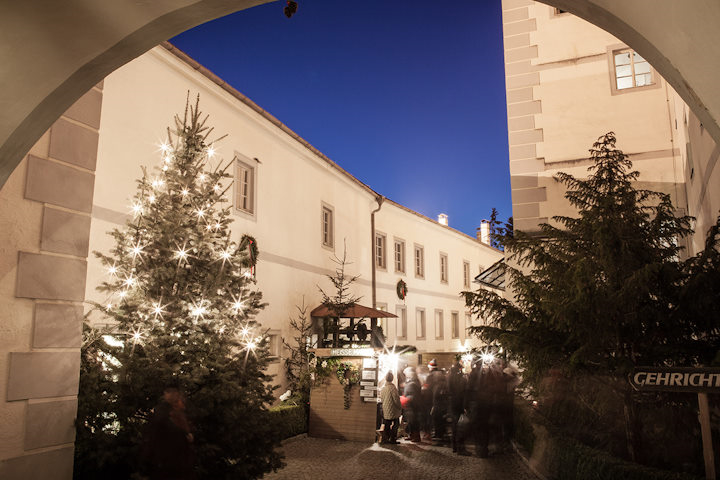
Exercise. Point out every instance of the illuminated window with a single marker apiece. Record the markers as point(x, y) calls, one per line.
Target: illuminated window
point(631, 70)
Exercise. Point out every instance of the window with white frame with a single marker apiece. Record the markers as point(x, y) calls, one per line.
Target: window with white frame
point(382, 322)
point(420, 324)
point(399, 255)
point(327, 226)
point(455, 321)
point(274, 344)
point(419, 261)
point(466, 274)
point(401, 322)
point(444, 268)
point(631, 70)
point(439, 324)
point(380, 250)
point(245, 182)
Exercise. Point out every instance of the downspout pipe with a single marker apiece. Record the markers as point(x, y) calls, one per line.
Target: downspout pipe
point(379, 199)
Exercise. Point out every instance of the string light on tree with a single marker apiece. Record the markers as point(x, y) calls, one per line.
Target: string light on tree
point(171, 271)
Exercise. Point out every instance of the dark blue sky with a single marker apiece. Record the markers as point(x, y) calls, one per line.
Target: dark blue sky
point(409, 97)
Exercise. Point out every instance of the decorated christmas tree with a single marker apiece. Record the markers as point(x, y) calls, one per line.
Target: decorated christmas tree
point(181, 299)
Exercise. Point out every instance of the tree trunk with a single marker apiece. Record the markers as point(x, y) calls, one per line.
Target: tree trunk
point(633, 428)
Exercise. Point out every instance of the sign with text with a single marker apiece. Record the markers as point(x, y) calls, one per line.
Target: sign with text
point(676, 379)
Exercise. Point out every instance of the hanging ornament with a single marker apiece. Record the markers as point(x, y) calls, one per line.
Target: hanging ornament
point(401, 289)
point(290, 9)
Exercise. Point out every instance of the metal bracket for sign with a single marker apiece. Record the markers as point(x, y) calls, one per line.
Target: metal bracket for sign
point(701, 380)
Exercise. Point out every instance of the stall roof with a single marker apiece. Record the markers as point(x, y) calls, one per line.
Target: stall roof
point(493, 276)
point(355, 311)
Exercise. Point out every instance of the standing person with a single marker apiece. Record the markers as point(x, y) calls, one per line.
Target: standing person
point(391, 410)
point(456, 388)
point(412, 394)
point(429, 384)
point(168, 450)
point(478, 399)
point(440, 406)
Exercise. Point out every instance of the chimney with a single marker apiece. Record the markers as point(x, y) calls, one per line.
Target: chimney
point(483, 233)
point(443, 219)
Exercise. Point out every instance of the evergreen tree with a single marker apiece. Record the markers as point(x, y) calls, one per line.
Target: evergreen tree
point(182, 299)
point(342, 300)
point(601, 293)
point(297, 363)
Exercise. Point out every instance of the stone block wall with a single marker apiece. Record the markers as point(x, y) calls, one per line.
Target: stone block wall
point(44, 239)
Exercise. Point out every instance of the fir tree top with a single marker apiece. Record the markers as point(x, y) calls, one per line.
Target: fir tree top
point(175, 268)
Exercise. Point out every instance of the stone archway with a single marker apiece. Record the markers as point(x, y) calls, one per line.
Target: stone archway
point(47, 70)
point(677, 38)
point(52, 53)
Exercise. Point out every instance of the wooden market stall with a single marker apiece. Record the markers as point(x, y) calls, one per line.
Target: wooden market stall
point(343, 404)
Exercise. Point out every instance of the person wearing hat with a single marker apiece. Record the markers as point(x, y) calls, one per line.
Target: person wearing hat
point(391, 409)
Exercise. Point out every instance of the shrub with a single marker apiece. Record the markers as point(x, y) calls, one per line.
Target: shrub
point(571, 461)
point(289, 420)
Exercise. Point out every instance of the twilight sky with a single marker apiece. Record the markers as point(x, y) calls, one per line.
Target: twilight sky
point(409, 97)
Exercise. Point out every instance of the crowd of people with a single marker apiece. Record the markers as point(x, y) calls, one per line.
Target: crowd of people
point(452, 407)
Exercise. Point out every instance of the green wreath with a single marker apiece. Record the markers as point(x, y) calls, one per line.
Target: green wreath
point(401, 289)
point(348, 375)
point(249, 244)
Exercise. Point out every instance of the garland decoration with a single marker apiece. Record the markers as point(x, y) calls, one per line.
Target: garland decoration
point(348, 375)
point(401, 289)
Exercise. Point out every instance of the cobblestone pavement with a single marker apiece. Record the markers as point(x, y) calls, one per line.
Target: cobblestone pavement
point(320, 459)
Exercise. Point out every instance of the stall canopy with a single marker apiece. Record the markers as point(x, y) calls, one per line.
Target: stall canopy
point(354, 311)
point(349, 328)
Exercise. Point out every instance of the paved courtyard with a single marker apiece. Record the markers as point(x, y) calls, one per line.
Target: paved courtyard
point(319, 459)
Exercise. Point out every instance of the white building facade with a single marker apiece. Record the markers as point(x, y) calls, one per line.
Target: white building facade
point(569, 82)
point(301, 207)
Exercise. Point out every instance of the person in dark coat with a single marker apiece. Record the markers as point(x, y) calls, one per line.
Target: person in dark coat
point(429, 387)
point(413, 405)
point(456, 385)
point(478, 401)
point(168, 450)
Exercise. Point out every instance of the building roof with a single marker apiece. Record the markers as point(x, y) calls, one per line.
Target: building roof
point(187, 59)
point(493, 276)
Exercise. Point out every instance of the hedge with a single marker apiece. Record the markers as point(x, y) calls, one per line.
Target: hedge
point(289, 420)
point(567, 459)
point(571, 461)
